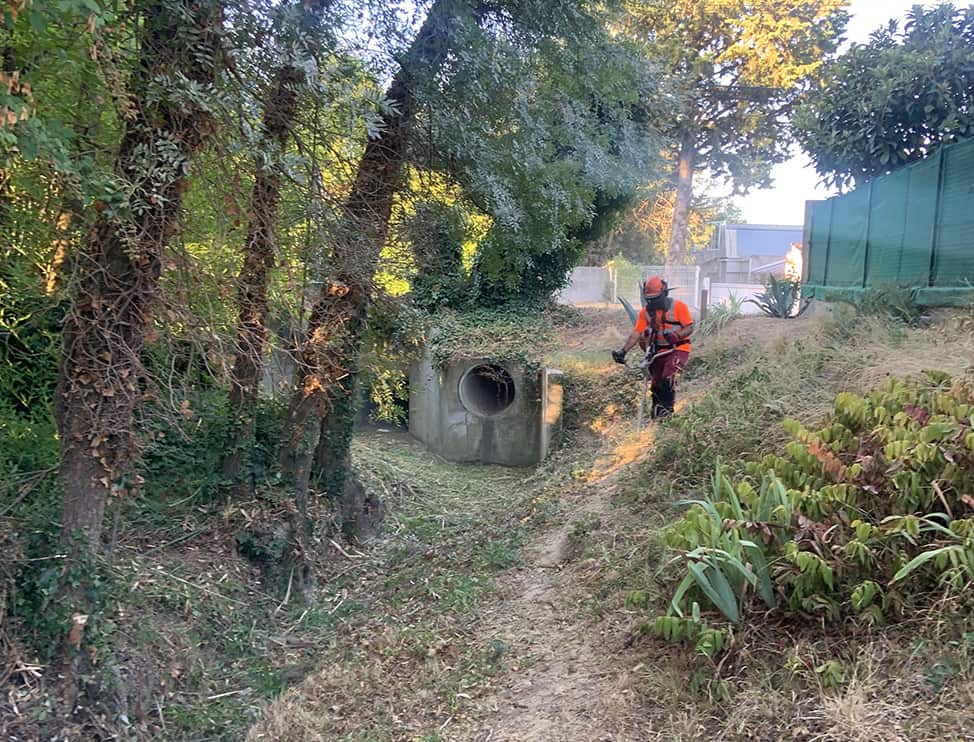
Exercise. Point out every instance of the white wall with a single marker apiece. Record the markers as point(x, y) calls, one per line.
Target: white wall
point(720, 294)
point(588, 285)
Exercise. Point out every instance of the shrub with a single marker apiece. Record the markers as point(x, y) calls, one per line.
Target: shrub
point(719, 316)
point(866, 519)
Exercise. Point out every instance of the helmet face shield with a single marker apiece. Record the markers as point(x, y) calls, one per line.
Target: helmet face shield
point(654, 293)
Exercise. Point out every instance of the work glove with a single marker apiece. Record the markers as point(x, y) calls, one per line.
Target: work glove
point(619, 356)
point(672, 337)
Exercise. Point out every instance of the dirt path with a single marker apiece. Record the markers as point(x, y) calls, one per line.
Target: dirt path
point(567, 674)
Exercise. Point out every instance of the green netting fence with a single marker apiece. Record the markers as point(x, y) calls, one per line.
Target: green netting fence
point(910, 229)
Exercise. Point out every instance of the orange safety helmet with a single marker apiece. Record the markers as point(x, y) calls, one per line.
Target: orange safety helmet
point(654, 287)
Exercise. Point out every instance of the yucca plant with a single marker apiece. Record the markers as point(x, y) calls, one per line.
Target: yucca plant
point(781, 298)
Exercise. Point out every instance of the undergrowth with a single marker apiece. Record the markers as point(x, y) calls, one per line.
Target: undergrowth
point(857, 622)
point(506, 333)
point(862, 521)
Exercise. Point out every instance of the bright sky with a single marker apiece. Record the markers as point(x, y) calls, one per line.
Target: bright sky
point(796, 181)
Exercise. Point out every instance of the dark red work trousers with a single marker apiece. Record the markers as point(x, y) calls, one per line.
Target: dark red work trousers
point(663, 371)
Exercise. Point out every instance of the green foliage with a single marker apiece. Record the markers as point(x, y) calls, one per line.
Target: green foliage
point(437, 232)
point(737, 129)
point(641, 234)
point(507, 333)
point(48, 591)
point(550, 143)
point(781, 298)
point(865, 519)
point(719, 316)
point(894, 100)
point(395, 332)
point(893, 303)
point(30, 313)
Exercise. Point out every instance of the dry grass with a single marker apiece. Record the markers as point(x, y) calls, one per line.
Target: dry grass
point(887, 698)
point(412, 662)
point(420, 661)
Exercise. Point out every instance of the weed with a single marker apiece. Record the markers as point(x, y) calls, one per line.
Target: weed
point(890, 302)
point(719, 316)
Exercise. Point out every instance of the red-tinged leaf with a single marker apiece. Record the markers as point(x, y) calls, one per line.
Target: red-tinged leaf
point(919, 414)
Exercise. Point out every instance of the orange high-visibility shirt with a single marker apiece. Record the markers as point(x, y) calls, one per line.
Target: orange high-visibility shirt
point(676, 317)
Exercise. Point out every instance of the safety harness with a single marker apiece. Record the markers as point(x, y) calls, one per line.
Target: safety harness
point(669, 321)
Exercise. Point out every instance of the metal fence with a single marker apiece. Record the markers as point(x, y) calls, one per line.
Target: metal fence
point(913, 228)
point(684, 282)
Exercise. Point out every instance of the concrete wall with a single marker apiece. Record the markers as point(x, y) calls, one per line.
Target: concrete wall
point(684, 281)
point(720, 294)
point(519, 435)
point(587, 285)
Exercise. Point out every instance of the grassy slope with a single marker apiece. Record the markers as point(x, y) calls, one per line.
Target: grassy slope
point(909, 682)
point(390, 650)
point(741, 385)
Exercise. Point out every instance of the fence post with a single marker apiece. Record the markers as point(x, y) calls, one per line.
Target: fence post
point(696, 281)
point(936, 217)
point(869, 223)
point(828, 243)
point(807, 228)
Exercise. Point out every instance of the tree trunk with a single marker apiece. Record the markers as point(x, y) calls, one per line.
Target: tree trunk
point(329, 353)
point(331, 462)
point(279, 111)
point(117, 275)
point(677, 249)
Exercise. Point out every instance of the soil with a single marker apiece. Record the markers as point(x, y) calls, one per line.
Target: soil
point(565, 679)
point(568, 677)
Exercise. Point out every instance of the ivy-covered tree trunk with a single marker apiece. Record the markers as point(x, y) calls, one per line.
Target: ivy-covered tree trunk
point(280, 109)
point(677, 250)
point(117, 271)
point(329, 353)
point(331, 462)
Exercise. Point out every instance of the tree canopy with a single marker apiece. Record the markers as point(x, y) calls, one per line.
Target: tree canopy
point(733, 69)
point(893, 100)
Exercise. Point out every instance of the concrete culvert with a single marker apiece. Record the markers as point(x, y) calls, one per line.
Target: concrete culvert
point(487, 389)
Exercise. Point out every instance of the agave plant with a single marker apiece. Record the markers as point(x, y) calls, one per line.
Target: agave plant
point(781, 298)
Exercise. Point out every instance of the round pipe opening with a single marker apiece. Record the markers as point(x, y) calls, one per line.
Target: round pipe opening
point(487, 389)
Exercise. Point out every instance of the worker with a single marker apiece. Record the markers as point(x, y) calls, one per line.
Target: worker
point(667, 323)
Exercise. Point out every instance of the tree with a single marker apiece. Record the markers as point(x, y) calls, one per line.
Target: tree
point(735, 69)
point(894, 100)
point(118, 267)
point(329, 352)
point(550, 142)
point(519, 169)
point(280, 107)
point(643, 232)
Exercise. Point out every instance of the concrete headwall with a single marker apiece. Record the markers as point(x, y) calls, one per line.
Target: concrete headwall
point(520, 434)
